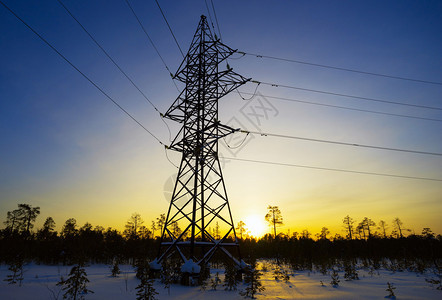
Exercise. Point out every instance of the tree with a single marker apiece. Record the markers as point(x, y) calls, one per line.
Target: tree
point(241, 228)
point(76, 284)
point(133, 225)
point(153, 227)
point(324, 233)
point(22, 219)
point(348, 225)
point(230, 279)
point(251, 278)
point(146, 290)
point(427, 233)
point(383, 227)
point(13, 220)
point(216, 231)
point(48, 230)
point(176, 230)
point(160, 223)
point(69, 228)
point(274, 217)
point(397, 225)
point(16, 268)
point(367, 224)
point(29, 215)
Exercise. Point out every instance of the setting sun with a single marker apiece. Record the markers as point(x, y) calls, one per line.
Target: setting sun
point(255, 225)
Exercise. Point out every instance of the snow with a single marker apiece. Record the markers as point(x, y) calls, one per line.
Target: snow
point(190, 267)
point(40, 283)
point(154, 265)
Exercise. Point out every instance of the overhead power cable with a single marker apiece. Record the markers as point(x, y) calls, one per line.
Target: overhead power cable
point(345, 95)
point(339, 68)
point(337, 106)
point(79, 71)
point(148, 37)
point(108, 56)
point(216, 20)
point(339, 143)
point(332, 169)
point(170, 29)
point(210, 15)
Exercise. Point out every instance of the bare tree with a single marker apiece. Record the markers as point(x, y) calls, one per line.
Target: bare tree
point(274, 217)
point(348, 225)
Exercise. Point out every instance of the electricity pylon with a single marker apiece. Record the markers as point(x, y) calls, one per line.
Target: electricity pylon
point(199, 200)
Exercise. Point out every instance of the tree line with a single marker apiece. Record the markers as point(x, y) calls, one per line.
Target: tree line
point(97, 244)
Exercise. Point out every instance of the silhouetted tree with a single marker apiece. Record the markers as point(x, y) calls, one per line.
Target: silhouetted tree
point(274, 217)
point(160, 223)
point(348, 225)
point(48, 230)
point(16, 269)
point(69, 228)
point(397, 225)
point(75, 286)
point(146, 290)
point(132, 225)
point(28, 215)
point(13, 220)
point(324, 233)
point(241, 228)
point(176, 230)
point(383, 227)
point(251, 279)
point(153, 227)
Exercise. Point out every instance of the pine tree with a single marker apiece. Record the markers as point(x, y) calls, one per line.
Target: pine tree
point(115, 270)
point(254, 286)
point(75, 286)
point(146, 290)
point(390, 289)
point(215, 281)
point(334, 278)
point(230, 281)
point(350, 271)
point(16, 267)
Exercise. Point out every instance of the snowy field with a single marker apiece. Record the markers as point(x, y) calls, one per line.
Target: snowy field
point(40, 283)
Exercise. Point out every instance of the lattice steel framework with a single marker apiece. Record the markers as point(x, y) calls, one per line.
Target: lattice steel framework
point(199, 200)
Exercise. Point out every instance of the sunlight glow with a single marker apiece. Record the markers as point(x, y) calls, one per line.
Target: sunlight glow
point(255, 225)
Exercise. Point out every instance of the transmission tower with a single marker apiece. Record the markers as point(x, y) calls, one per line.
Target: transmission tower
point(199, 200)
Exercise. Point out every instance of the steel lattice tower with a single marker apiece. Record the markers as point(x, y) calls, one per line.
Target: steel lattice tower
point(199, 200)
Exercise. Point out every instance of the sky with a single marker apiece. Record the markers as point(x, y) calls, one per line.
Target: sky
point(69, 150)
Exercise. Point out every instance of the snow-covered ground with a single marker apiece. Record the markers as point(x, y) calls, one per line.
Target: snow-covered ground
point(40, 283)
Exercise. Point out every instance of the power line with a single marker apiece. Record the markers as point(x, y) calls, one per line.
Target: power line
point(345, 95)
point(339, 68)
point(210, 16)
point(152, 43)
point(340, 143)
point(108, 56)
point(170, 29)
point(332, 169)
point(216, 19)
point(340, 107)
point(78, 70)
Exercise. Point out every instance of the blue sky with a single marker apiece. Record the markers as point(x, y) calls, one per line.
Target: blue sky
point(69, 150)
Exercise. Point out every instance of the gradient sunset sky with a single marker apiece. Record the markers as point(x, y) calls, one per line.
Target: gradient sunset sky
point(66, 148)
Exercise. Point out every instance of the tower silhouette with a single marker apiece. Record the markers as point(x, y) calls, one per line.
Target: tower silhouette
point(199, 201)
